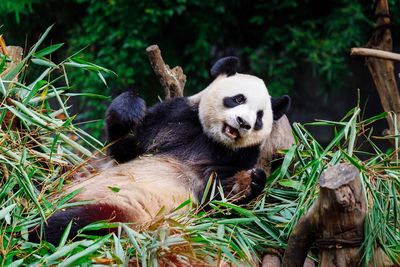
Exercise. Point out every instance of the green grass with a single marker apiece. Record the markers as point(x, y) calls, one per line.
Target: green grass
point(41, 150)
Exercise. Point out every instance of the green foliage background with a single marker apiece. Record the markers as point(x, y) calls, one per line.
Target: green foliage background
point(272, 38)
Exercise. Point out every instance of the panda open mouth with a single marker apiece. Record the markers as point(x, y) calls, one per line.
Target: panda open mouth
point(230, 131)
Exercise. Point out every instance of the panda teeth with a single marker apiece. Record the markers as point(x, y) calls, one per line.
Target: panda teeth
point(231, 132)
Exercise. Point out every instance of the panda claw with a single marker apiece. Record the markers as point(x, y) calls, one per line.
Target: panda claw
point(258, 178)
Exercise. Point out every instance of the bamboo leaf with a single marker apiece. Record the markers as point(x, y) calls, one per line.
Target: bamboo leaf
point(9, 76)
point(43, 62)
point(48, 50)
point(75, 259)
point(62, 251)
point(5, 212)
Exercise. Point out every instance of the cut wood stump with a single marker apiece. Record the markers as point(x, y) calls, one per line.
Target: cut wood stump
point(334, 223)
point(271, 260)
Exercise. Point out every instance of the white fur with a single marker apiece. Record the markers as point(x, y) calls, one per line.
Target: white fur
point(151, 183)
point(213, 114)
point(145, 186)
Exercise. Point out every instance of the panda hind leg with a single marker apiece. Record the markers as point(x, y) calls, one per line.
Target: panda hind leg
point(80, 216)
point(123, 117)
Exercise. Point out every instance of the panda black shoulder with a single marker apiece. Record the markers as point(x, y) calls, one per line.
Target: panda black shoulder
point(175, 109)
point(163, 121)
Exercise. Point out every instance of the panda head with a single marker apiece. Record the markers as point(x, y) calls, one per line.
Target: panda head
point(236, 109)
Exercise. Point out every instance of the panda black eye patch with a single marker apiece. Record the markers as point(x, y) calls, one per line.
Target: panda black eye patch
point(259, 124)
point(233, 101)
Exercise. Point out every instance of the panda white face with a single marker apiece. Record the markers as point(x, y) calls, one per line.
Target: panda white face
point(236, 111)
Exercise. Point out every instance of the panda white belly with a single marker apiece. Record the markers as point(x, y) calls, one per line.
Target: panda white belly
point(141, 188)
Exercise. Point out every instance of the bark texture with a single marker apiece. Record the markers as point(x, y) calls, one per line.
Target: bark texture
point(382, 70)
point(172, 80)
point(15, 54)
point(281, 138)
point(369, 52)
point(334, 223)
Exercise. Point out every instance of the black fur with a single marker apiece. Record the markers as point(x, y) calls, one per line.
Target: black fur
point(170, 128)
point(173, 128)
point(227, 65)
point(259, 124)
point(258, 178)
point(123, 116)
point(80, 216)
point(280, 106)
point(231, 102)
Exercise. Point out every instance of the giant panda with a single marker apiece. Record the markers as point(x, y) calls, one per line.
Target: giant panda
point(167, 153)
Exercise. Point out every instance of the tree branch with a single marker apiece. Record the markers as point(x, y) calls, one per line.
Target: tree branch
point(369, 52)
point(172, 80)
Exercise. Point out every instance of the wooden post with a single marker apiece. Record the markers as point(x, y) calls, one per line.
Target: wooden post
point(271, 260)
point(335, 223)
point(382, 70)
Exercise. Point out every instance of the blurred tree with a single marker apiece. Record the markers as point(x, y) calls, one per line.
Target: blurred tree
point(273, 38)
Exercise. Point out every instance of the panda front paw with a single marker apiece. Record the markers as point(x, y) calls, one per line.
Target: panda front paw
point(248, 185)
point(258, 179)
point(127, 109)
point(124, 115)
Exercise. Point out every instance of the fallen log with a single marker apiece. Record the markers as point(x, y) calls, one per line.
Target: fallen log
point(281, 139)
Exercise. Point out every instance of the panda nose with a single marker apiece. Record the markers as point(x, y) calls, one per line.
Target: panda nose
point(243, 123)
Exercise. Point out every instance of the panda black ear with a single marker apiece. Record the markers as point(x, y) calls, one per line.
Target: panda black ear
point(280, 106)
point(227, 65)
